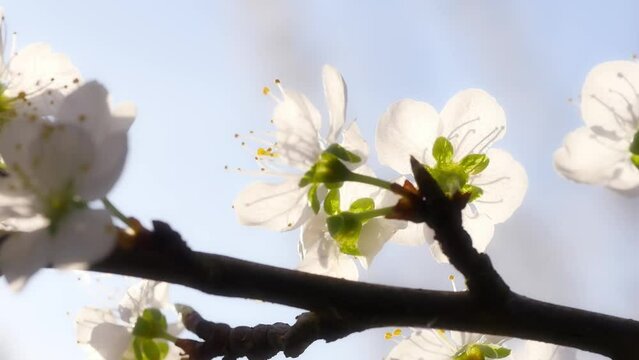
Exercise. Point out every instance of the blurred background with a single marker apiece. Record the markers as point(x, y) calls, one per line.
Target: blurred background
point(196, 71)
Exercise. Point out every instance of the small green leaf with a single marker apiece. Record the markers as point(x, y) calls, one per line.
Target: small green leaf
point(343, 154)
point(331, 202)
point(361, 205)
point(473, 164)
point(345, 228)
point(635, 160)
point(443, 150)
point(313, 201)
point(150, 349)
point(493, 351)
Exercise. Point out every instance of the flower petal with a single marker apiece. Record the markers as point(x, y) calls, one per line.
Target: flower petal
point(375, 233)
point(110, 340)
point(412, 235)
point(609, 97)
point(589, 158)
point(320, 253)
point(479, 227)
point(298, 123)
point(472, 120)
point(504, 183)
point(335, 92)
point(407, 128)
point(354, 142)
point(46, 77)
point(145, 294)
point(84, 237)
point(422, 344)
point(279, 207)
point(22, 255)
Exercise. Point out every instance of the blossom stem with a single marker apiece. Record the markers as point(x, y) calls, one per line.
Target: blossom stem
point(367, 215)
point(114, 210)
point(355, 177)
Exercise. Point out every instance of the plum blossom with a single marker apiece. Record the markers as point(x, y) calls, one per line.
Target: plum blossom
point(34, 79)
point(297, 145)
point(470, 123)
point(606, 150)
point(320, 253)
point(106, 334)
point(56, 165)
point(534, 350)
point(435, 344)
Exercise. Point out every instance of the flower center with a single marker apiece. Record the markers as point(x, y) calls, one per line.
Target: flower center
point(454, 177)
point(59, 204)
point(7, 105)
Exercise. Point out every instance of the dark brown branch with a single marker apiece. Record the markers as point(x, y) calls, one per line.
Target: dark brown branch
point(350, 307)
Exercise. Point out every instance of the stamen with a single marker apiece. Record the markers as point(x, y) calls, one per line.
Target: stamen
point(450, 135)
point(451, 278)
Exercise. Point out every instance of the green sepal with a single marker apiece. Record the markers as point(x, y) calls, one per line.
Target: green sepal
point(635, 160)
point(343, 154)
point(151, 324)
point(335, 185)
point(634, 145)
point(329, 169)
point(481, 352)
point(313, 201)
point(474, 191)
point(163, 346)
point(473, 164)
point(493, 351)
point(150, 349)
point(443, 150)
point(345, 228)
point(361, 205)
point(450, 177)
point(332, 202)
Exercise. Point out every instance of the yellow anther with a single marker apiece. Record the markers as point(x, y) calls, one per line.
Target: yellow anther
point(266, 152)
point(388, 336)
point(441, 331)
point(277, 81)
point(266, 90)
point(451, 277)
point(397, 332)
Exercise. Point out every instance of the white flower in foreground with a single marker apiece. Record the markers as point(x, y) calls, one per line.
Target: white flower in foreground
point(56, 165)
point(106, 334)
point(606, 150)
point(425, 344)
point(472, 121)
point(33, 80)
point(320, 253)
point(534, 350)
point(296, 147)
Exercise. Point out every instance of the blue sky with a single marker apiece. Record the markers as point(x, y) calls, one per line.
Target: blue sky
point(196, 69)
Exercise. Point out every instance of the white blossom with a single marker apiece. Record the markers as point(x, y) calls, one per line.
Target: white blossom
point(472, 121)
point(106, 334)
point(57, 165)
point(600, 153)
point(297, 145)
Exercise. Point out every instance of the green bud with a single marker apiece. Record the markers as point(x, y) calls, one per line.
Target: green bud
point(151, 324)
point(482, 352)
point(450, 177)
point(443, 150)
point(474, 191)
point(343, 154)
point(313, 201)
point(634, 146)
point(329, 169)
point(345, 228)
point(361, 205)
point(331, 202)
point(635, 160)
point(473, 164)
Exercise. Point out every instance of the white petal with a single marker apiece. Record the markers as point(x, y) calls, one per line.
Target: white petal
point(504, 183)
point(298, 123)
point(335, 92)
point(479, 227)
point(412, 235)
point(110, 340)
point(22, 255)
point(143, 295)
point(279, 207)
point(84, 237)
point(352, 191)
point(320, 253)
point(15, 139)
point(462, 338)
point(58, 157)
point(407, 128)
point(354, 142)
point(589, 158)
point(375, 233)
point(534, 350)
point(43, 75)
point(422, 344)
point(472, 120)
point(609, 98)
